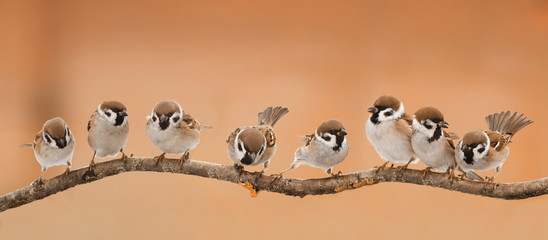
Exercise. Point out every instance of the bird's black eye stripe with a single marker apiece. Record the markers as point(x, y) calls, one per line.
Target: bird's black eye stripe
point(48, 139)
point(381, 107)
point(175, 119)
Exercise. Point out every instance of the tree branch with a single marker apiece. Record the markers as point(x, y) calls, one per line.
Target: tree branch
point(255, 182)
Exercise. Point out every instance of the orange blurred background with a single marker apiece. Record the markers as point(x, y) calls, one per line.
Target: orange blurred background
point(224, 62)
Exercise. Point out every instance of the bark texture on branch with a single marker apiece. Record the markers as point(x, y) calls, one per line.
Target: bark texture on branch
point(255, 182)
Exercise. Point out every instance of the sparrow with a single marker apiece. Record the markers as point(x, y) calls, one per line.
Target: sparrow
point(108, 130)
point(254, 145)
point(172, 130)
point(324, 148)
point(389, 131)
point(485, 150)
point(53, 146)
point(431, 143)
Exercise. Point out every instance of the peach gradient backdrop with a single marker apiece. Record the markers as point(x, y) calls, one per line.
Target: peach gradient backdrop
point(224, 61)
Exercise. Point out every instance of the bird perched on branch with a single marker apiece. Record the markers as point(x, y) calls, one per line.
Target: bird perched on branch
point(431, 143)
point(389, 131)
point(254, 145)
point(53, 146)
point(324, 148)
point(485, 150)
point(172, 130)
point(108, 130)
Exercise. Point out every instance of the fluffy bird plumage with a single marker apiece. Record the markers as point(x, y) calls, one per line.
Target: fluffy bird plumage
point(53, 145)
point(485, 150)
point(388, 129)
point(324, 148)
point(254, 145)
point(108, 129)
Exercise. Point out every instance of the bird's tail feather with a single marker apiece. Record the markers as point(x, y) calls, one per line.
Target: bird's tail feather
point(271, 115)
point(507, 123)
point(474, 176)
point(29, 145)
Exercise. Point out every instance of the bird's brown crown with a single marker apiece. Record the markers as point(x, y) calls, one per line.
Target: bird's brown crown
point(253, 139)
point(330, 125)
point(55, 127)
point(112, 105)
point(429, 113)
point(474, 137)
point(388, 102)
point(166, 106)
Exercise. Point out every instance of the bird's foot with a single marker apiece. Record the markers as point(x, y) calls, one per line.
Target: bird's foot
point(159, 158)
point(380, 167)
point(337, 175)
point(184, 158)
point(425, 172)
point(38, 182)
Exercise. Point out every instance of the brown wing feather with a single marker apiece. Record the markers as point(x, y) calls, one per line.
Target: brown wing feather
point(449, 137)
point(307, 139)
point(189, 122)
point(408, 119)
point(498, 140)
point(232, 135)
point(404, 127)
point(92, 119)
point(268, 134)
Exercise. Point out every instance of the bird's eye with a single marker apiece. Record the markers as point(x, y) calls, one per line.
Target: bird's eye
point(326, 137)
point(240, 147)
point(261, 151)
point(176, 119)
point(107, 113)
point(481, 150)
point(154, 118)
point(388, 114)
point(427, 126)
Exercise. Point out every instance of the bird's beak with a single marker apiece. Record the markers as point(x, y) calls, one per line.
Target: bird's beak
point(163, 118)
point(62, 143)
point(342, 132)
point(122, 113)
point(372, 109)
point(444, 124)
point(248, 158)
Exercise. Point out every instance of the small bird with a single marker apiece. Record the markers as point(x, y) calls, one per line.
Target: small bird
point(485, 150)
point(53, 146)
point(324, 148)
point(108, 130)
point(389, 131)
point(172, 130)
point(254, 145)
point(431, 143)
